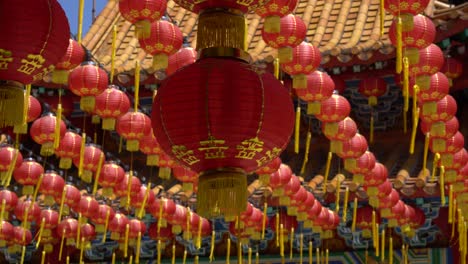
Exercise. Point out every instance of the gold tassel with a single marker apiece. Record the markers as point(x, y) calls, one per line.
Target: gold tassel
point(276, 67)
point(43, 257)
point(353, 225)
point(301, 246)
point(239, 252)
point(62, 201)
point(138, 248)
point(143, 29)
point(81, 249)
point(406, 84)
point(145, 199)
point(80, 21)
point(212, 245)
point(442, 185)
point(11, 168)
point(58, 122)
point(377, 240)
point(310, 252)
point(173, 253)
point(257, 258)
point(399, 45)
point(137, 86)
point(11, 99)
point(187, 234)
point(2, 213)
point(338, 190)
point(61, 244)
point(326, 256)
point(228, 252)
point(415, 129)
point(41, 230)
point(26, 104)
point(327, 171)
point(382, 246)
point(390, 250)
point(98, 173)
point(23, 251)
point(306, 154)
point(196, 259)
point(435, 163)
point(277, 229)
point(296, 130)
point(426, 150)
point(113, 258)
point(264, 219)
point(291, 240)
point(371, 134)
point(281, 235)
point(374, 242)
point(450, 207)
point(114, 43)
point(454, 212)
point(184, 258)
point(130, 260)
point(345, 204)
point(127, 229)
point(82, 151)
point(129, 187)
point(317, 254)
point(78, 230)
point(198, 244)
point(106, 225)
point(249, 256)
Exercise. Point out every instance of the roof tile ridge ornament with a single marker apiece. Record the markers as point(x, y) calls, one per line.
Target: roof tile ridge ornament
point(100, 24)
point(339, 26)
point(322, 24)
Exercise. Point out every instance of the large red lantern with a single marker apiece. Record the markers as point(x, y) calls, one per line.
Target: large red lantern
point(88, 81)
point(43, 132)
point(111, 175)
point(215, 144)
point(31, 44)
point(28, 174)
point(133, 126)
point(333, 109)
point(396, 212)
point(164, 39)
point(452, 69)
point(292, 32)
point(181, 58)
point(72, 58)
point(110, 105)
point(10, 159)
point(306, 59)
point(372, 87)
point(319, 88)
point(142, 13)
point(68, 149)
point(91, 161)
point(273, 11)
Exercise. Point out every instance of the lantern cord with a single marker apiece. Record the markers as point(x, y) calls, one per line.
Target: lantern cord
point(137, 86)
point(43, 257)
point(414, 130)
point(114, 43)
point(327, 171)
point(310, 252)
point(301, 247)
point(442, 185)
point(212, 245)
point(173, 253)
point(345, 204)
point(426, 150)
point(435, 163)
point(138, 248)
point(353, 226)
point(98, 173)
point(338, 191)
point(307, 150)
point(106, 225)
point(264, 219)
point(184, 258)
point(450, 207)
point(249, 256)
point(228, 251)
point(297, 129)
point(291, 241)
point(61, 244)
point(80, 21)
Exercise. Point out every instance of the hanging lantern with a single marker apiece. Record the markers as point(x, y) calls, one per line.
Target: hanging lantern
point(306, 59)
point(27, 174)
point(421, 35)
point(333, 109)
point(10, 159)
point(29, 50)
point(168, 208)
point(177, 219)
point(49, 220)
point(117, 226)
point(252, 221)
point(364, 220)
point(142, 13)
point(72, 58)
point(68, 149)
point(319, 88)
point(133, 126)
point(340, 131)
point(164, 39)
point(43, 132)
point(102, 218)
point(445, 109)
point(87, 234)
point(372, 88)
point(141, 200)
point(88, 81)
point(296, 200)
point(279, 179)
point(52, 184)
point(290, 189)
point(34, 111)
point(351, 150)
point(67, 229)
point(265, 171)
point(213, 148)
point(163, 234)
point(444, 129)
point(110, 105)
point(180, 59)
point(68, 198)
point(8, 202)
point(186, 176)
point(6, 233)
point(386, 203)
point(452, 69)
point(431, 60)
point(405, 10)
point(453, 162)
point(273, 11)
point(377, 192)
point(304, 206)
point(313, 213)
point(364, 165)
point(87, 207)
point(149, 145)
point(89, 164)
point(111, 175)
point(397, 211)
point(123, 190)
point(321, 220)
point(438, 88)
point(331, 225)
point(135, 226)
point(165, 166)
point(33, 211)
point(21, 238)
point(292, 32)
point(376, 177)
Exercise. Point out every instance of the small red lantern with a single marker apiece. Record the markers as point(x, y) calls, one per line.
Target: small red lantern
point(28, 174)
point(149, 145)
point(438, 88)
point(68, 149)
point(121, 188)
point(110, 105)
point(87, 233)
point(364, 164)
point(383, 190)
point(319, 88)
point(314, 211)
point(304, 206)
point(406, 10)
point(72, 58)
point(87, 207)
point(452, 163)
point(452, 69)
point(133, 126)
point(431, 60)
point(50, 219)
point(164, 234)
point(142, 13)
point(296, 199)
point(88, 81)
point(386, 203)
point(446, 108)
point(140, 197)
point(292, 32)
point(90, 163)
point(351, 150)
point(34, 111)
point(111, 175)
point(43, 132)
point(306, 59)
point(165, 165)
point(333, 109)
point(8, 202)
point(67, 229)
point(443, 129)
point(136, 226)
point(10, 159)
point(273, 11)
point(102, 217)
point(6, 233)
point(71, 198)
point(364, 220)
point(21, 236)
point(164, 39)
point(30, 48)
point(182, 58)
point(168, 208)
point(397, 211)
point(52, 184)
point(372, 87)
point(177, 219)
point(186, 176)
point(376, 177)
point(279, 179)
point(290, 189)
point(265, 171)
point(27, 211)
point(117, 226)
point(340, 131)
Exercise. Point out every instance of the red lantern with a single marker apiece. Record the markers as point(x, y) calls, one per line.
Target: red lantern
point(10, 159)
point(87, 207)
point(314, 211)
point(445, 129)
point(8, 202)
point(386, 203)
point(28, 174)
point(447, 146)
point(383, 190)
point(121, 188)
point(52, 102)
point(102, 217)
point(376, 177)
point(220, 145)
point(364, 164)
point(198, 6)
point(452, 69)
point(364, 220)
point(6, 233)
point(177, 219)
point(295, 201)
point(43, 132)
point(164, 39)
point(149, 145)
point(304, 206)
point(333, 109)
point(446, 108)
point(34, 111)
point(292, 32)
point(319, 88)
point(438, 88)
point(351, 150)
point(21, 236)
point(140, 197)
point(273, 10)
point(452, 163)
point(165, 166)
point(111, 175)
point(431, 60)
point(51, 185)
point(372, 87)
point(406, 10)
point(331, 224)
point(340, 131)
point(25, 211)
point(88, 81)
point(168, 208)
point(92, 155)
point(142, 13)
point(181, 58)
point(186, 176)
point(50, 219)
point(136, 226)
point(87, 233)
point(110, 105)
point(164, 234)
point(71, 198)
point(68, 149)
point(117, 226)
point(72, 58)
point(265, 171)
point(67, 229)
point(421, 35)
point(133, 126)
point(306, 59)
point(397, 211)
point(279, 179)
point(30, 48)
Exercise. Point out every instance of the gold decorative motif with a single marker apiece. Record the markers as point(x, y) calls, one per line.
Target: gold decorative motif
point(32, 63)
point(5, 59)
point(269, 156)
point(245, 2)
point(184, 155)
point(249, 148)
point(213, 148)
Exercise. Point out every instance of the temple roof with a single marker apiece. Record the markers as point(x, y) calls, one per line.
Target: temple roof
point(345, 31)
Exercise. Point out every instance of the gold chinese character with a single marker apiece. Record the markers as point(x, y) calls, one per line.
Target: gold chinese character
point(269, 156)
point(185, 155)
point(249, 148)
point(5, 58)
point(32, 63)
point(44, 72)
point(213, 148)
